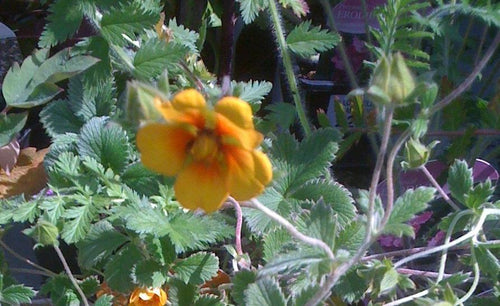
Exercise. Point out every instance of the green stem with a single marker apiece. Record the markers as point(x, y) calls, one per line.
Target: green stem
point(287, 64)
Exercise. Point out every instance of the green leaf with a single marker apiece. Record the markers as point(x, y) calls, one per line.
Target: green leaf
point(351, 286)
point(127, 20)
point(410, 203)
point(104, 300)
point(275, 242)
point(479, 195)
point(118, 270)
point(155, 56)
point(241, 280)
point(79, 218)
point(299, 7)
point(62, 22)
point(100, 243)
point(183, 36)
point(264, 292)
point(460, 180)
point(322, 223)
point(186, 231)
point(336, 196)
point(149, 273)
point(258, 221)
point(141, 179)
point(27, 211)
point(57, 118)
point(249, 9)
point(208, 300)
point(252, 92)
point(389, 280)
point(33, 83)
point(197, 268)
point(105, 142)
point(16, 294)
point(10, 125)
point(294, 261)
point(306, 41)
point(180, 293)
point(282, 114)
point(351, 237)
point(101, 73)
point(91, 101)
point(488, 263)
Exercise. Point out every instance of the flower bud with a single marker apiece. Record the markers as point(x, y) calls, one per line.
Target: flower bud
point(392, 81)
point(140, 105)
point(44, 233)
point(416, 154)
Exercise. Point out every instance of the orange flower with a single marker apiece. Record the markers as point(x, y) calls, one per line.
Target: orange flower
point(148, 297)
point(211, 151)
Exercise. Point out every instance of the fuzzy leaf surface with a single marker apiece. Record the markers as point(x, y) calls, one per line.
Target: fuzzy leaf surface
point(197, 268)
point(264, 292)
point(460, 180)
point(63, 21)
point(306, 41)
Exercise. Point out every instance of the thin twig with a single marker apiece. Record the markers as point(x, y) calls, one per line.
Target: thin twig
point(420, 273)
point(254, 203)
point(239, 223)
point(406, 252)
point(439, 189)
point(26, 260)
point(70, 275)
point(30, 271)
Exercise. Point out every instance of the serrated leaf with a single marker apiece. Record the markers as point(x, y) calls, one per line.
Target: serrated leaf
point(101, 73)
point(293, 261)
point(322, 223)
point(274, 242)
point(10, 125)
point(63, 21)
point(141, 179)
point(241, 280)
point(118, 270)
point(488, 263)
point(180, 293)
point(260, 222)
point(333, 194)
point(183, 36)
point(249, 9)
point(264, 292)
point(16, 294)
point(197, 268)
point(410, 203)
point(299, 7)
point(282, 114)
point(186, 231)
point(306, 41)
point(105, 142)
point(351, 286)
point(351, 237)
point(91, 101)
point(57, 118)
point(460, 180)
point(389, 280)
point(479, 195)
point(155, 56)
point(126, 20)
point(100, 243)
point(79, 221)
point(252, 92)
point(208, 300)
point(104, 300)
point(149, 273)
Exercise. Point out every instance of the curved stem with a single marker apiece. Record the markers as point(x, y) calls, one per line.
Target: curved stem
point(70, 275)
point(26, 260)
point(438, 187)
point(477, 274)
point(287, 65)
point(409, 298)
point(239, 223)
point(390, 177)
point(254, 203)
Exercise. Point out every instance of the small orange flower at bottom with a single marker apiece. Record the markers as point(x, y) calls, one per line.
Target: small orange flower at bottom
point(148, 297)
point(212, 152)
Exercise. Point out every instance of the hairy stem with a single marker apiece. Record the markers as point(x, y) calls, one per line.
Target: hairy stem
point(287, 65)
point(70, 275)
point(239, 223)
point(254, 203)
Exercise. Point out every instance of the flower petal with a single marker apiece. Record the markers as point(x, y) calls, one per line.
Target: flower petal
point(231, 134)
point(163, 147)
point(188, 99)
point(242, 183)
point(190, 116)
point(263, 167)
point(201, 185)
point(236, 110)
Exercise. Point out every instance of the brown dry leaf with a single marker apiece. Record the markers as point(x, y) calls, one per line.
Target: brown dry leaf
point(28, 175)
point(8, 156)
